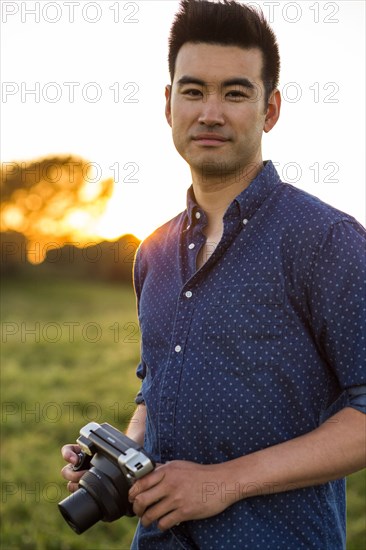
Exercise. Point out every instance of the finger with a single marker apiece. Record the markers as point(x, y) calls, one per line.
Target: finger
point(70, 453)
point(146, 483)
point(72, 487)
point(147, 499)
point(170, 520)
point(68, 473)
point(157, 511)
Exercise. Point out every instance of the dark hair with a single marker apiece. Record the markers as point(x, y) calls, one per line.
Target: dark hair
point(226, 23)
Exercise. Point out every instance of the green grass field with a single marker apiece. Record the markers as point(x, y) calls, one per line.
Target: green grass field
point(69, 352)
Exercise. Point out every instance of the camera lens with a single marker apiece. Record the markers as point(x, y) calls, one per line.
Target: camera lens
point(103, 495)
point(80, 511)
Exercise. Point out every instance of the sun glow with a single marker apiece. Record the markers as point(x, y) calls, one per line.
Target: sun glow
point(123, 216)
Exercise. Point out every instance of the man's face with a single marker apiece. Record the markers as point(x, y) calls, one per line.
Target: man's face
point(216, 107)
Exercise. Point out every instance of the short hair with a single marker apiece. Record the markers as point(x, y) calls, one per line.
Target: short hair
point(227, 23)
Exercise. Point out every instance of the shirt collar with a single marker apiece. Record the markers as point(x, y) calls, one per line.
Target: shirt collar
point(248, 200)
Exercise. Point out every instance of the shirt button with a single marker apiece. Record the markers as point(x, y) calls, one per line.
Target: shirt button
point(188, 294)
point(245, 221)
point(177, 349)
point(198, 215)
point(191, 246)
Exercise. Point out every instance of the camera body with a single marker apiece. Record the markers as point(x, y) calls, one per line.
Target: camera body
point(115, 462)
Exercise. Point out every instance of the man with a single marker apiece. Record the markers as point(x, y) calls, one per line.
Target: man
point(250, 305)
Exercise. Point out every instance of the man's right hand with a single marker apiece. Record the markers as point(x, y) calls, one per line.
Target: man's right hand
point(70, 454)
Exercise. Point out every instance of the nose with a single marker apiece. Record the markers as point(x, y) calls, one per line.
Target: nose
point(212, 111)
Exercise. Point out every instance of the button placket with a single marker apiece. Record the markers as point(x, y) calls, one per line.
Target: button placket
point(171, 377)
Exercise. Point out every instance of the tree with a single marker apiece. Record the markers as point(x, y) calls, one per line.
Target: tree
point(52, 201)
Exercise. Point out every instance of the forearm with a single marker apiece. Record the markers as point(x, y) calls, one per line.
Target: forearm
point(136, 427)
point(335, 449)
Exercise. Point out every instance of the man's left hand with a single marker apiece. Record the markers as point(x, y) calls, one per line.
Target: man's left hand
point(179, 491)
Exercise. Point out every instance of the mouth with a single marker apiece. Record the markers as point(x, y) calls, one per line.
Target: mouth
point(209, 139)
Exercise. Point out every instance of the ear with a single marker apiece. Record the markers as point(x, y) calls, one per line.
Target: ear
point(273, 110)
point(168, 112)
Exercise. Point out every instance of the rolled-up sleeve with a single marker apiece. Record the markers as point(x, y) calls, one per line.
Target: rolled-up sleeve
point(356, 398)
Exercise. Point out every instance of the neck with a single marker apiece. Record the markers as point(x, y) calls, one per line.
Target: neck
point(215, 192)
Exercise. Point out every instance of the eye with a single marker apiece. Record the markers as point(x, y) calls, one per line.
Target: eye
point(192, 92)
point(236, 94)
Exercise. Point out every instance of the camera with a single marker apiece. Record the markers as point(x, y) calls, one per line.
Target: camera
point(114, 463)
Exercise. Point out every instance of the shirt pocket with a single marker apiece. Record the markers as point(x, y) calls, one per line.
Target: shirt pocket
point(244, 328)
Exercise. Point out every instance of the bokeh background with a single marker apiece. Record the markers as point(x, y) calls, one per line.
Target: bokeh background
point(89, 169)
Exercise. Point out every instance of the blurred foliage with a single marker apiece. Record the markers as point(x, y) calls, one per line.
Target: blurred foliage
point(69, 353)
point(108, 261)
point(53, 199)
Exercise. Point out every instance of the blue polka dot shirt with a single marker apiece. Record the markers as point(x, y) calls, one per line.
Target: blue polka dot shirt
point(258, 346)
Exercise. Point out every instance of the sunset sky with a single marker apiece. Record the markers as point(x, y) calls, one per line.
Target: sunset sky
point(88, 78)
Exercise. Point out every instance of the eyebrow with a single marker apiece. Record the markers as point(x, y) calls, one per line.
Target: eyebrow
point(236, 81)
